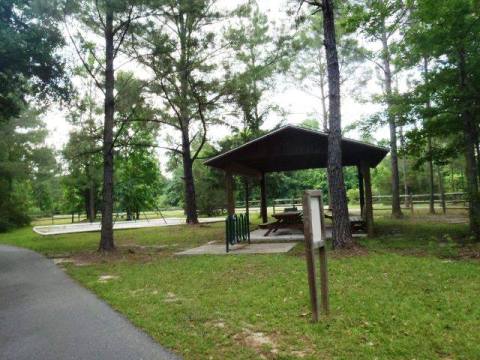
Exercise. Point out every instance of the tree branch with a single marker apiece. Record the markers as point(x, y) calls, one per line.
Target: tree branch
point(85, 65)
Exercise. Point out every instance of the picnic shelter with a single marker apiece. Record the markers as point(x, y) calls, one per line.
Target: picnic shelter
point(291, 148)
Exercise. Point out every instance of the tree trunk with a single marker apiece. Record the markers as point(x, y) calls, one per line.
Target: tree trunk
point(404, 167)
point(190, 196)
point(430, 177)
point(429, 146)
point(342, 236)
point(477, 149)
point(322, 92)
point(91, 196)
point(396, 211)
point(91, 202)
point(441, 189)
point(471, 165)
point(106, 240)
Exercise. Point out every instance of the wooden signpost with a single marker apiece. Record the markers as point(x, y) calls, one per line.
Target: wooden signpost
point(314, 224)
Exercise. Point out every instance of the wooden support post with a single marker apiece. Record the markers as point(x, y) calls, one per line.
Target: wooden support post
point(263, 194)
point(247, 197)
point(368, 199)
point(312, 283)
point(229, 193)
point(314, 230)
point(324, 279)
point(361, 192)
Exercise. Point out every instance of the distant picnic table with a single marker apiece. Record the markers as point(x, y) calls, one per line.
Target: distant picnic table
point(357, 223)
point(287, 219)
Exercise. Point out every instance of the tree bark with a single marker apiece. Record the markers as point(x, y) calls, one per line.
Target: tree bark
point(441, 188)
point(322, 93)
point(430, 177)
point(190, 195)
point(91, 202)
point(471, 165)
point(477, 149)
point(342, 236)
point(396, 210)
point(106, 240)
point(90, 198)
point(404, 167)
point(429, 147)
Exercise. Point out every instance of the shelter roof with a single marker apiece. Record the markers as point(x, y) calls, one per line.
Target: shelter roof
point(293, 148)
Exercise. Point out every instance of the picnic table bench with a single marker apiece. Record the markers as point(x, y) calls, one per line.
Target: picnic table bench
point(287, 219)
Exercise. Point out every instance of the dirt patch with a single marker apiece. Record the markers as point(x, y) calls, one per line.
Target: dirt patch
point(144, 248)
point(218, 324)
point(299, 354)
point(131, 253)
point(469, 252)
point(106, 278)
point(70, 260)
point(262, 343)
point(171, 298)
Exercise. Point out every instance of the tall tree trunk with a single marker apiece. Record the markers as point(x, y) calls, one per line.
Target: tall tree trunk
point(90, 199)
point(106, 240)
point(91, 193)
point(477, 149)
point(404, 167)
point(441, 189)
point(471, 165)
point(189, 183)
point(430, 177)
point(429, 146)
point(323, 99)
point(342, 236)
point(396, 211)
point(190, 196)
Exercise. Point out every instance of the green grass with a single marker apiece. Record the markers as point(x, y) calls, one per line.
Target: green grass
point(174, 238)
point(411, 295)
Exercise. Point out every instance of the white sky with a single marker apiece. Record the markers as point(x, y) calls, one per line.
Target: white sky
point(289, 95)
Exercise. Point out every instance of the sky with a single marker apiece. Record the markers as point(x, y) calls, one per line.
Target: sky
point(289, 95)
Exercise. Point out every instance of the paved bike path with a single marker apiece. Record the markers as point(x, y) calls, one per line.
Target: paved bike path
point(45, 315)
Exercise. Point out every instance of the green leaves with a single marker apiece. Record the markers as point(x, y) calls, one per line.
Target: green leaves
point(30, 63)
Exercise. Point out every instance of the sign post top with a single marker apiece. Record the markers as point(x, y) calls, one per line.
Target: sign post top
point(314, 227)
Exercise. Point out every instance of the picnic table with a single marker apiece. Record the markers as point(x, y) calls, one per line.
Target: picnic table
point(357, 223)
point(287, 219)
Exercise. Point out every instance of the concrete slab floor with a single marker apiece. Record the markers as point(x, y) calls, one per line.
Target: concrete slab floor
point(219, 249)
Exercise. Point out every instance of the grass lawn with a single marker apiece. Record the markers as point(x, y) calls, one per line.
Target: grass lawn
point(411, 292)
